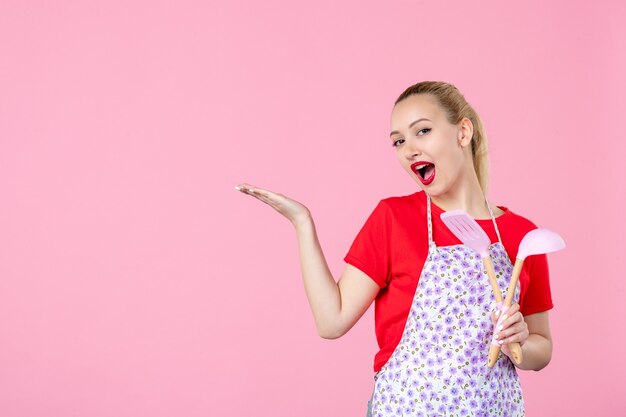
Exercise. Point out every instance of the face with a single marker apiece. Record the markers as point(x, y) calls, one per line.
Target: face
point(435, 153)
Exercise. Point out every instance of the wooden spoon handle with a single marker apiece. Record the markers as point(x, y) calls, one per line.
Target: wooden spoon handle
point(492, 279)
point(516, 348)
point(517, 270)
point(516, 352)
point(494, 350)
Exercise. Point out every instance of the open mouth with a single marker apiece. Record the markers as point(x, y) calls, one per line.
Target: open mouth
point(425, 171)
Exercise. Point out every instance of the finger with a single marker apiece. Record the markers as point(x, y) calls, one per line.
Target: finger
point(509, 312)
point(256, 192)
point(270, 202)
point(495, 315)
point(509, 326)
point(513, 308)
point(247, 188)
point(510, 321)
point(518, 329)
point(506, 310)
point(244, 188)
point(519, 337)
point(508, 331)
point(266, 200)
point(277, 204)
point(268, 196)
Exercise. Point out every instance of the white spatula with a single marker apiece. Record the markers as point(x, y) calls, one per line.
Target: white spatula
point(468, 231)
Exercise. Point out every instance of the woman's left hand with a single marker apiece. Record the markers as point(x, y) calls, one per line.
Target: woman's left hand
point(513, 328)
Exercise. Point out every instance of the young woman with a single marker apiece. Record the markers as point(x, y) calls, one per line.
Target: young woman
point(434, 307)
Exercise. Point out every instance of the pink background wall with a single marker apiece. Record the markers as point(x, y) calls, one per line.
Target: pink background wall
point(134, 281)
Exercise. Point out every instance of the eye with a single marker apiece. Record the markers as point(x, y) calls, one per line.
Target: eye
point(426, 130)
point(397, 143)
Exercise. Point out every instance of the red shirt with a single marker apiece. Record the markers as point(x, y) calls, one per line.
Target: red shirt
point(392, 247)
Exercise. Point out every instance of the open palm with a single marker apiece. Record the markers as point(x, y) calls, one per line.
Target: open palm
point(291, 209)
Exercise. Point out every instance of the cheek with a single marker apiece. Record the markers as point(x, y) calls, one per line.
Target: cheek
point(402, 161)
point(449, 154)
point(449, 166)
point(405, 166)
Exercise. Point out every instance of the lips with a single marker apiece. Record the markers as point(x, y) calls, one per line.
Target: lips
point(424, 170)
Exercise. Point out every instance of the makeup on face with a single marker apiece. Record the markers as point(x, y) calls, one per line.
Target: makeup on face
point(425, 142)
point(425, 171)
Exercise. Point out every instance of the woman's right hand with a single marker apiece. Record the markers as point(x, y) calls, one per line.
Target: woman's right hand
point(294, 211)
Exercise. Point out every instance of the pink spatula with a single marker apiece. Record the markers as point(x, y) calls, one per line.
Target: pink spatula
point(535, 242)
point(468, 231)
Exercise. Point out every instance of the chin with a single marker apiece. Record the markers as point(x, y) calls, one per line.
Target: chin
point(431, 191)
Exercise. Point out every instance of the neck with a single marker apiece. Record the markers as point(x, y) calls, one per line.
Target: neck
point(466, 195)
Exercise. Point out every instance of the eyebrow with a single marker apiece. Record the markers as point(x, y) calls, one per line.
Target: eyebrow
point(410, 126)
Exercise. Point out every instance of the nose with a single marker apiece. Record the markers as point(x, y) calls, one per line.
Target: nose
point(411, 149)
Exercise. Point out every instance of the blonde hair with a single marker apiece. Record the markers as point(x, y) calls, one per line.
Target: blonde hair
point(456, 108)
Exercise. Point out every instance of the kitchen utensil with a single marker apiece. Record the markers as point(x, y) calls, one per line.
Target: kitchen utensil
point(468, 231)
point(535, 242)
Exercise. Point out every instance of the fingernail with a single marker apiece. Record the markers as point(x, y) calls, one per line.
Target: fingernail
point(500, 327)
point(238, 188)
point(495, 336)
point(504, 317)
point(500, 342)
point(251, 190)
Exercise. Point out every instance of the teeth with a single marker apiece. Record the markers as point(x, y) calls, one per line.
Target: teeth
point(421, 166)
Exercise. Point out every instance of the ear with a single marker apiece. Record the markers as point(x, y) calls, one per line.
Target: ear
point(466, 131)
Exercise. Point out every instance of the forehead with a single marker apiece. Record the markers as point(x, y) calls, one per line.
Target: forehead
point(416, 107)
